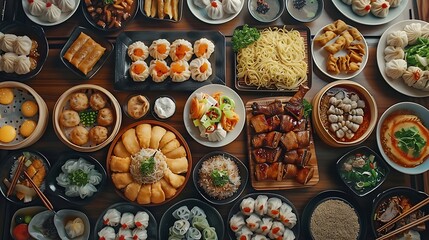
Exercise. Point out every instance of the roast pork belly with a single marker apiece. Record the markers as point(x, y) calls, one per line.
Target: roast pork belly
point(289, 123)
point(262, 124)
point(262, 155)
point(271, 109)
point(299, 157)
point(272, 171)
point(269, 140)
point(295, 104)
point(295, 140)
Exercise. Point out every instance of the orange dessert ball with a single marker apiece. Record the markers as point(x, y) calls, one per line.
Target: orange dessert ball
point(7, 133)
point(27, 128)
point(29, 108)
point(6, 96)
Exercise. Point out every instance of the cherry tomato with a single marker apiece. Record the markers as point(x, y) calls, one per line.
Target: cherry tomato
point(20, 232)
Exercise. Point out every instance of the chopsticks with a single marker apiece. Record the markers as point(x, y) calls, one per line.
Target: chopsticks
point(405, 227)
point(15, 178)
point(39, 192)
point(404, 214)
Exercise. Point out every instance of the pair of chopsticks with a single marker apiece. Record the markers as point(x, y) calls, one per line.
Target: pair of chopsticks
point(39, 192)
point(407, 226)
point(21, 161)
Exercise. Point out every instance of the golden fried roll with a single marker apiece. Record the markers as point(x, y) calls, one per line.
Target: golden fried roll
point(160, 9)
point(353, 67)
point(175, 180)
point(153, 10)
point(39, 177)
point(37, 163)
point(168, 9)
point(177, 165)
point(91, 59)
point(120, 150)
point(105, 117)
point(168, 136)
point(169, 191)
point(337, 46)
point(331, 64)
point(84, 51)
point(337, 27)
point(144, 194)
point(177, 153)
point(79, 101)
point(175, 9)
point(348, 37)
point(355, 33)
point(156, 134)
point(120, 164)
point(79, 135)
point(121, 180)
point(129, 139)
point(355, 57)
point(76, 45)
point(31, 170)
point(132, 190)
point(170, 146)
point(324, 38)
point(144, 132)
point(147, 7)
point(157, 195)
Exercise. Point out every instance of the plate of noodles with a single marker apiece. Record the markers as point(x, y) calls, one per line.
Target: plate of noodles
point(268, 75)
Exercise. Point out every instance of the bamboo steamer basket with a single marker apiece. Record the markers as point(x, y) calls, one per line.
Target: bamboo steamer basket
point(62, 104)
point(324, 133)
point(15, 118)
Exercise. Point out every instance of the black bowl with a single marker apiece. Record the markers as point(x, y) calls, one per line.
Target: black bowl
point(93, 23)
point(333, 195)
point(35, 33)
point(5, 171)
point(56, 190)
point(236, 208)
point(243, 172)
point(123, 207)
point(152, 108)
point(97, 38)
point(213, 217)
point(365, 151)
point(414, 196)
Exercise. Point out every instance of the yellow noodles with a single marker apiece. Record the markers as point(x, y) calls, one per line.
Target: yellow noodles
point(276, 58)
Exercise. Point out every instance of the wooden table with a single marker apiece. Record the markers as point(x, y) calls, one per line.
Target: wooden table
point(55, 78)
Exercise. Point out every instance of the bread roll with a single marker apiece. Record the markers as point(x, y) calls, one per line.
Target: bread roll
point(144, 194)
point(132, 190)
point(156, 135)
point(177, 153)
point(120, 164)
point(129, 139)
point(170, 146)
point(121, 180)
point(177, 165)
point(169, 191)
point(157, 195)
point(144, 132)
point(168, 136)
point(120, 150)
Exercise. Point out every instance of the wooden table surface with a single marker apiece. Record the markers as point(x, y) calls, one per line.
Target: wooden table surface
point(55, 78)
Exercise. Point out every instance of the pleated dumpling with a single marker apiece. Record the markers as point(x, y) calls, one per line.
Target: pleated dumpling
point(413, 31)
point(201, 69)
point(22, 45)
point(22, 65)
point(394, 3)
point(159, 49)
point(231, 6)
point(412, 75)
point(52, 12)
point(8, 42)
point(179, 71)
point(361, 7)
point(392, 52)
point(215, 10)
point(181, 49)
point(139, 71)
point(159, 70)
point(203, 48)
point(138, 51)
point(397, 39)
point(36, 7)
point(9, 61)
point(66, 5)
point(396, 68)
point(380, 8)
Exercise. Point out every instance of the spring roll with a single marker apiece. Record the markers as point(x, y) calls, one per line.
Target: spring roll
point(83, 52)
point(76, 45)
point(89, 62)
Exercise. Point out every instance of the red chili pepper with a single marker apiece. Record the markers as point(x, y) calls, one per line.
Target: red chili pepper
point(371, 165)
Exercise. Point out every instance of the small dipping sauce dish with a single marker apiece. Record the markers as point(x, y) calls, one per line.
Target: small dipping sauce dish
point(164, 107)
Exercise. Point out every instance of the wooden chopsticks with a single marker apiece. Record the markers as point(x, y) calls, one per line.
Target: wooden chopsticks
point(404, 214)
point(39, 192)
point(15, 178)
point(405, 227)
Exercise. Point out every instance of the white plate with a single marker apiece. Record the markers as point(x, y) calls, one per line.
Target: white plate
point(42, 21)
point(239, 109)
point(320, 56)
point(397, 84)
point(201, 14)
point(369, 19)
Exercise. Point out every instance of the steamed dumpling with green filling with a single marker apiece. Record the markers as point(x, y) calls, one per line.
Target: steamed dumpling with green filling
point(179, 71)
point(201, 69)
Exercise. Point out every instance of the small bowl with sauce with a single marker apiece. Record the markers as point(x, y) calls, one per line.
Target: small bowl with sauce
point(266, 10)
point(305, 10)
point(136, 106)
point(164, 107)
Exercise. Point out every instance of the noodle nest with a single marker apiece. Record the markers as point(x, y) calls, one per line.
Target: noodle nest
point(139, 158)
point(277, 59)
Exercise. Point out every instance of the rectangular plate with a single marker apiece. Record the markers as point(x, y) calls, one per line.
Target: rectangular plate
point(179, 9)
point(123, 80)
point(285, 183)
point(305, 33)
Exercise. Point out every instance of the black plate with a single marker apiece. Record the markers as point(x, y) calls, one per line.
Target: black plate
point(243, 172)
point(213, 217)
point(35, 33)
point(100, 40)
point(55, 189)
point(123, 207)
point(5, 167)
point(123, 80)
point(180, 10)
point(335, 195)
point(236, 208)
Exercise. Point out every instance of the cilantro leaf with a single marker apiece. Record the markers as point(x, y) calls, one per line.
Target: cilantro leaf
point(242, 38)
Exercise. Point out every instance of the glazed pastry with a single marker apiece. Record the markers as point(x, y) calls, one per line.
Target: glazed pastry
point(361, 7)
point(231, 6)
point(79, 135)
point(121, 180)
point(83, 52)
point(355, 33)
point(177, 165)
point(98, 134)
point(396, 68)
point(156, 134)
point(380, 8)
point(200, 69)
point(173, 179)
point(120, 164)
point(143, 132)
point(120, 150)
point(69, 118)
point(159, 49)
point(79, 101)
point(105, 117)
point(324, 38)
point(181, 49)
point(157, 195)
point(168, 136)
point(159, 70)
point(204, 48)
point(168, 190)
point(139, 71)
point(179, 71)
point(348, 37)
point(76, 45)
point(138, 51)
point(337, 46)
point(177, 153)
point(215, 10)
point(130, 141)
point(88, 63)
point(144, 195)
point(97, 101)
point(170, 146)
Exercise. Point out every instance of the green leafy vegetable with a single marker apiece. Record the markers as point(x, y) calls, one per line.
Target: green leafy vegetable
point(147, 166)
point(244, 37)
point(108, 1)
point(409, 139)
point(418, 54)
point(88, 118)
point(78, 177)
point(307, 108)
point(219, 177)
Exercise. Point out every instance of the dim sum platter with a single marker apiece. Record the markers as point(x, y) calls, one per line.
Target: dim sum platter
point(398, 84)
point(201, 13)
point(123, 80)
point(268, 184)
point(39, 20)
point(369, 19)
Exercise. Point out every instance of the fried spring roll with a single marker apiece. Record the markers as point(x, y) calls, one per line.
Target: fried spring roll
point(76, 45)
point(84, 51)
point(91, 59)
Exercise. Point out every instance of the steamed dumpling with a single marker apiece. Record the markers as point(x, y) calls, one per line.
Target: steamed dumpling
point(425, 31)
point(201, 69)
point(138, 51)
point(75, 228)
point(23, 45)
point(412, 75)
point(36, 7)
point(380, 8)
point(53, 13)
point(179, 71)
point(9, 61)
point(159, 49)
point(397, 39)
point(231, 6)
point(413, 31)
point(8, 42)
point(215, 10)
point(203, 48)
point(139, 71)
point(423, 82)
point(181, 49)
point(396, 68)
point(201, 3)
point(66, 5)
point(394, 3)
point(361, 7)
point(159, 70)
point(391, 52)
point(22, 65)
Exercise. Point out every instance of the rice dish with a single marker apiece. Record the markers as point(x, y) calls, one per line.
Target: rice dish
point(221, 166)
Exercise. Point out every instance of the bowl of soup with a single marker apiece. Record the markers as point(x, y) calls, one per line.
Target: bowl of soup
point(304, 11)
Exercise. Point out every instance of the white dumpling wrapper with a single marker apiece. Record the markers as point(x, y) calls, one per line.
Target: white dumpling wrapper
point(9, 61)
point(380, 8)
point(37, 8)
point(195, 68)
point(412, 75)
point(22, 65)
point(413, 31)
point(392, 52)
point(397, 39)
point(396, 68)
point(215, 10)
point(53, 13)
point(361, 7)
point(66, 5)
point(202, 3)
point(231, 6)
point(8, 42)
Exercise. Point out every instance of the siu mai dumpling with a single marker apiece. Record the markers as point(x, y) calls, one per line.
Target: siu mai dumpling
point(120, 150)
point(120, 164)
point(139, 71)
point(181, 49)
point(159, 70)
point(121, 180)
point(175, 180)
point(157, 195)
point(159, 49)
point(144, 194)
point(36, 7)
point(177, 165)
point(201, 69)
point(138, 51)
point(132, 190)
point(129, 139)
point(179, 71)
point(203, 48)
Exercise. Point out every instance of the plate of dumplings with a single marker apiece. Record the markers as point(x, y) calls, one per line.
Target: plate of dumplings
point(215, 12)
point(369, 12)
point(398, 63)
point(49, 13)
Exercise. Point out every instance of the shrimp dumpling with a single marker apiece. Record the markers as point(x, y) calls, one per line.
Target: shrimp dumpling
point(236, 222)
point(159, 49)
point(139, 71)
point(127, 220)
point(107, 233)
point(141, 220)
point(261, 205)
point(203, 48)
point(112, 217)
point(201, 69)
point(273, 206)
point(159, 70)
point(181, 49)
point(247, 206)
point(75, 228)
point(396, 68)
point(277, 230)
point(179, 71)
point(138, 51)
point(253, 222)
